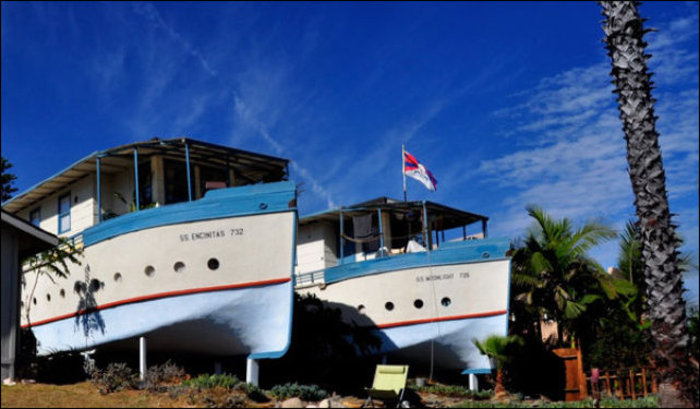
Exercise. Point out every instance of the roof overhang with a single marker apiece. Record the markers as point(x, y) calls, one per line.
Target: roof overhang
point(31, 238)
point(450, 217)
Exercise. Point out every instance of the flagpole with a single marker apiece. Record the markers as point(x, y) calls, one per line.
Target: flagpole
point(403, 170)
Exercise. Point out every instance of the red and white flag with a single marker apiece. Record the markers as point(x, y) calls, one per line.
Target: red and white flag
point(416, 170)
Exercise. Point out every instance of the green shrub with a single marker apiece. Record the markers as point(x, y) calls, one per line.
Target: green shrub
point(115, 377)
point(294, 390)
point(253, 392)
point(207, 381)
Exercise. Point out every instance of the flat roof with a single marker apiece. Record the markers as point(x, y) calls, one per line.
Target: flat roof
point(250, 166)
point(450, 217)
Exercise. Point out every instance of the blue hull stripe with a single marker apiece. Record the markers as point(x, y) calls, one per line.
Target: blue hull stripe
point(477, 371)
point(237, 201)
point(469, 252)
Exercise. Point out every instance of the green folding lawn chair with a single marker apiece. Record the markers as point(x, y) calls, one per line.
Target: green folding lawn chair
point(389, 384)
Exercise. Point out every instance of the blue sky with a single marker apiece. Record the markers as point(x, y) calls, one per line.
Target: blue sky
point(506, 103)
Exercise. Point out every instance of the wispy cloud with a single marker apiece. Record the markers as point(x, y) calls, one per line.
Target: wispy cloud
point(251, 104)
point(246, 115)
point(573, 162)
point(149, 11)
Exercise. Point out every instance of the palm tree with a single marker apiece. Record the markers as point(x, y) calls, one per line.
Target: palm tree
point(552, 272)
point(624, 33)
point(502, 350)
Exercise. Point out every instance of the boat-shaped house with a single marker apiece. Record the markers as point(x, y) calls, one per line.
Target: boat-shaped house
point(186, 243)
point(387, 266)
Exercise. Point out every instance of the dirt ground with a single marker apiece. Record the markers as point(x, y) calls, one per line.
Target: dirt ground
point(85, 394)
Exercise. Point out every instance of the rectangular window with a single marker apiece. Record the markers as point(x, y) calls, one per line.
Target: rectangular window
point(35, 217)
point(64, 213)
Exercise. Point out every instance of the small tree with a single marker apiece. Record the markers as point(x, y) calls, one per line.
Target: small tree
point(7, 180)
point(553, 274)
point(502, 350)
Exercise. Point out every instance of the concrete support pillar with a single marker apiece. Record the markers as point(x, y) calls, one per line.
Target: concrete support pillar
point(252, 371)
point(158, 180)
point(473, 383)
point(142, 358)
point(217, 367)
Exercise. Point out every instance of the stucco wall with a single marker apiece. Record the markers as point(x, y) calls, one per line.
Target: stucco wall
point(316, 247)
point(83, 208)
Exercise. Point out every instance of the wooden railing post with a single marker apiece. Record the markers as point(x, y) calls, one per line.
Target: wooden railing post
point(644, 382)
point(620, 387)
point(632, 386)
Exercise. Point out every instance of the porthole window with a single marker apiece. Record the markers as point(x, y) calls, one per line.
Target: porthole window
point(118, 277)
point(179, 267)
point(389, 306)
point(48, 297)
point(149, 271)
point(62, 293)
point(446, 302)
point(418, 303)
point(213, 264)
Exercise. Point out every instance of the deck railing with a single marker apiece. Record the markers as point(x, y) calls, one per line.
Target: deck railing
point(309, 279)
point(624, 383)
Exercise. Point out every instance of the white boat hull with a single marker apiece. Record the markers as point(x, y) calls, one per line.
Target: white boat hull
point(228, 322)
point(437, 308)
point(219, 285)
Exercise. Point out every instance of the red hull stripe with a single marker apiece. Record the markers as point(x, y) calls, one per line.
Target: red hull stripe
point(159, 295)
point(450, 318)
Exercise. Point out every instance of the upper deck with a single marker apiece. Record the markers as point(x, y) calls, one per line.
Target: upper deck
point(133, 177)
point(381, 227)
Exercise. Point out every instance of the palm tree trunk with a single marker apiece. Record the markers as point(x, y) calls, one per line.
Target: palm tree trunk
point(623, 37)
point(499, 391)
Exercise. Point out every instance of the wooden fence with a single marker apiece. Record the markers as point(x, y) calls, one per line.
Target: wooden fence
point(624, 383)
